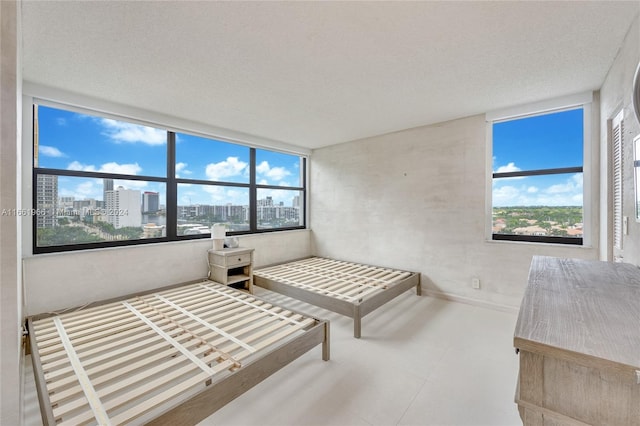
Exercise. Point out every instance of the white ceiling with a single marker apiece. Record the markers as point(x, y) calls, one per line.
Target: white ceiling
point(313, 74)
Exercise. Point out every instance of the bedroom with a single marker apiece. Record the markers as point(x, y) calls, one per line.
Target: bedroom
point(327, 81)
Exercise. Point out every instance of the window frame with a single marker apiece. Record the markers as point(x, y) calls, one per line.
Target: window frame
point(581, 100)
point(171, 181)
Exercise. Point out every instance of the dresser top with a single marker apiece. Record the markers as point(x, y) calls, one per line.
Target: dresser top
point(583, 308)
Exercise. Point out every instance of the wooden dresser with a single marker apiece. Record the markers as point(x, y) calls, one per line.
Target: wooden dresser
point(578, 338)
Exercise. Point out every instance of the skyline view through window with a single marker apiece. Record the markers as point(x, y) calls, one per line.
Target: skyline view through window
point(100, 179)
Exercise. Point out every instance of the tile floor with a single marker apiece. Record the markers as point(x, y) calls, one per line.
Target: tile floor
point(420, 361)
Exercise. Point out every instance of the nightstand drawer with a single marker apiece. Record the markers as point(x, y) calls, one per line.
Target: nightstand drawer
point(229, 259)
point(238, 259)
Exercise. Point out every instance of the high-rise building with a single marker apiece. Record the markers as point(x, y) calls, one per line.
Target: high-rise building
point(266, 202)
point(66, 204)
point(123, 208)
point(150, 202)
point(47, 200)
point(107, 185)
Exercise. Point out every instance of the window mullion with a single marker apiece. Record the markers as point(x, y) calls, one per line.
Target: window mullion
point(172, 188)
point(539, 172)
point(253, 192)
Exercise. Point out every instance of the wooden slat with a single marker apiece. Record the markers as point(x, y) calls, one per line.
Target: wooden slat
point(251, 302)
point(131, 337)
point(300, 282)
point(347, 269)
point(97, 408)
point(209, 325)
point(99, 356)
point(167, 371)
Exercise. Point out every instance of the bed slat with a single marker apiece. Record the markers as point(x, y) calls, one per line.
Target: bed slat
point(89, 392)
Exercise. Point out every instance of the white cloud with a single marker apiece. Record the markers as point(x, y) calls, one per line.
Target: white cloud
point(230, 167)
point(125, 169)
point(50, 151)
point(61, 121)
point(112, 167)
point(87, 190)
point(262, 168)
point(273, 173)
point(181, 168)
point(119, 132)
point(511, 167)
point(568, 192)
point(577, 178)
point(76, 165)
point(572, 185)
point(93, 188)
point(220, 195)
point(506, 196)
point(130, 184)
point(81, 191)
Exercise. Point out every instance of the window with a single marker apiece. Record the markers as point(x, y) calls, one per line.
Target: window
point(537, 192)
point(102, 182)
point(280, 189)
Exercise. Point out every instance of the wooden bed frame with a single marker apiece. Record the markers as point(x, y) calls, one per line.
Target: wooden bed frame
point(350, 289)
point(173, 356)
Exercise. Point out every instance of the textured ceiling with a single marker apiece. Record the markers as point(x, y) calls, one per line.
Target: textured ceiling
point(313, 74)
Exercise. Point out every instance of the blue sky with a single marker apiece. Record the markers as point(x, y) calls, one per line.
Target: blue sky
point(73, 141)
point(540, 142)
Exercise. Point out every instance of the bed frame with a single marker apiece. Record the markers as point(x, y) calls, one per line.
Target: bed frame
point(350, 289)
point(169, 357)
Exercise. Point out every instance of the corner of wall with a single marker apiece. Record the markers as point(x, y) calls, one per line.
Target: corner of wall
point(10, 246)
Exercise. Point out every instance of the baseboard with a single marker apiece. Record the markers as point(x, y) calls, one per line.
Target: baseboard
point(470, 301)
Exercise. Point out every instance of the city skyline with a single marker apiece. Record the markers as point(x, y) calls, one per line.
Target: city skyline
point(132, 214)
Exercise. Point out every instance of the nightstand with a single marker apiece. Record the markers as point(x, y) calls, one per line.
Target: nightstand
point(232, 266)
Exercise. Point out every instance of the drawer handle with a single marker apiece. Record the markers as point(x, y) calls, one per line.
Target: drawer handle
point(239, 259)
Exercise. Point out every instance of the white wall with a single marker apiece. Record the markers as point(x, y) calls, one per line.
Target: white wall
point(62, 280)
point(10, 247)
point(415, 200)
point(616, 94)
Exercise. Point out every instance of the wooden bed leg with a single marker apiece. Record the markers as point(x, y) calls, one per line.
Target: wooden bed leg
point(326, 351)
point(357, 322)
